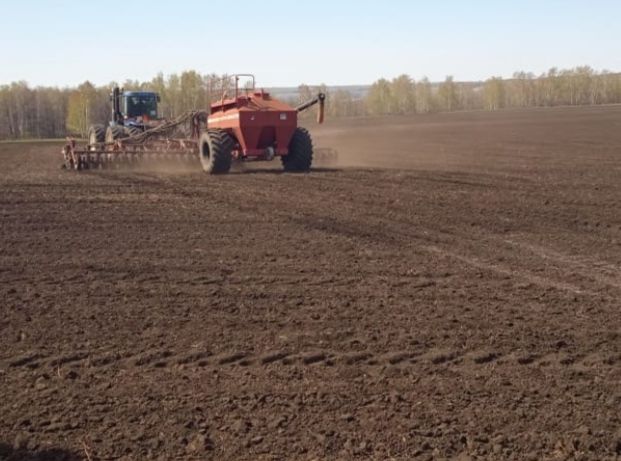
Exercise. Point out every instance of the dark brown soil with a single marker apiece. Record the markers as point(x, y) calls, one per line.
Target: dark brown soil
point(456, 297)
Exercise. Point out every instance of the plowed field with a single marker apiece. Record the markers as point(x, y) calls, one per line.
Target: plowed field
point(450, 290)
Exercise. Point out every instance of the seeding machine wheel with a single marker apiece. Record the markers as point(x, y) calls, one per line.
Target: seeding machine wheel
point(300, 156)
point(216, 151)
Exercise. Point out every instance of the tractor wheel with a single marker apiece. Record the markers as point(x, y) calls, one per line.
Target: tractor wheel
point(115, 132)
point(300, 156)
point(216, 147)
point(96, 134)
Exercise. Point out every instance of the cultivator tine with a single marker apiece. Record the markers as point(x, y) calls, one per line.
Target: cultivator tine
point(158, 144)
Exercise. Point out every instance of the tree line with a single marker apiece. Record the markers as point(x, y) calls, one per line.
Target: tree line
point(578, 86)
point(45, 112)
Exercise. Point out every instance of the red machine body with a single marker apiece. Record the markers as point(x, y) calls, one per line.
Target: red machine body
point(261, 125)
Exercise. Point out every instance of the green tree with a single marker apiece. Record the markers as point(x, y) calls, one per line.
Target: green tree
point(82, 108)
point(403, 95)
point(379, 97)
point(192, 91)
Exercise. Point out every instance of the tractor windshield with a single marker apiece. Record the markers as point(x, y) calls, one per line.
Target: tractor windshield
point(140, 105)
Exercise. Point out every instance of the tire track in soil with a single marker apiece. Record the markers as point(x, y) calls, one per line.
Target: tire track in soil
point(545, 282)
point(601, 272)
point(360, 226)
point(371, 361)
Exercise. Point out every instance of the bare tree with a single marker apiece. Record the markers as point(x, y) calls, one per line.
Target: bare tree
point(424, 96)
point(447, 95)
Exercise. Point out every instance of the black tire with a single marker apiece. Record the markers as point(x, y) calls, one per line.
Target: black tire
point(96, 134)
point(300, 156)
point(115, 132)
point(215, 150)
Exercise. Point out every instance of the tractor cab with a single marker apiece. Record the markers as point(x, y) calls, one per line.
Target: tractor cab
point(133, 107)
point(139, 104)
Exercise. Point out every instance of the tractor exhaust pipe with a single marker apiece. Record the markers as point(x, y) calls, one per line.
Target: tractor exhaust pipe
point(321, 100)
point(115, 97)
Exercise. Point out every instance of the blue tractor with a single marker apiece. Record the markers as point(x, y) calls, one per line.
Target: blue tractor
point(132, 113)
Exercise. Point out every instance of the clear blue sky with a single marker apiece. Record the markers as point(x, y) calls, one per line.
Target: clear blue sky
point(287, 42)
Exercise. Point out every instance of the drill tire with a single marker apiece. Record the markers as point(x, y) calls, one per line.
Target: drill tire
point(300, 156)
point(216, 151)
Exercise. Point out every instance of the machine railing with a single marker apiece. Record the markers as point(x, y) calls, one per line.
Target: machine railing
point(229, 83)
